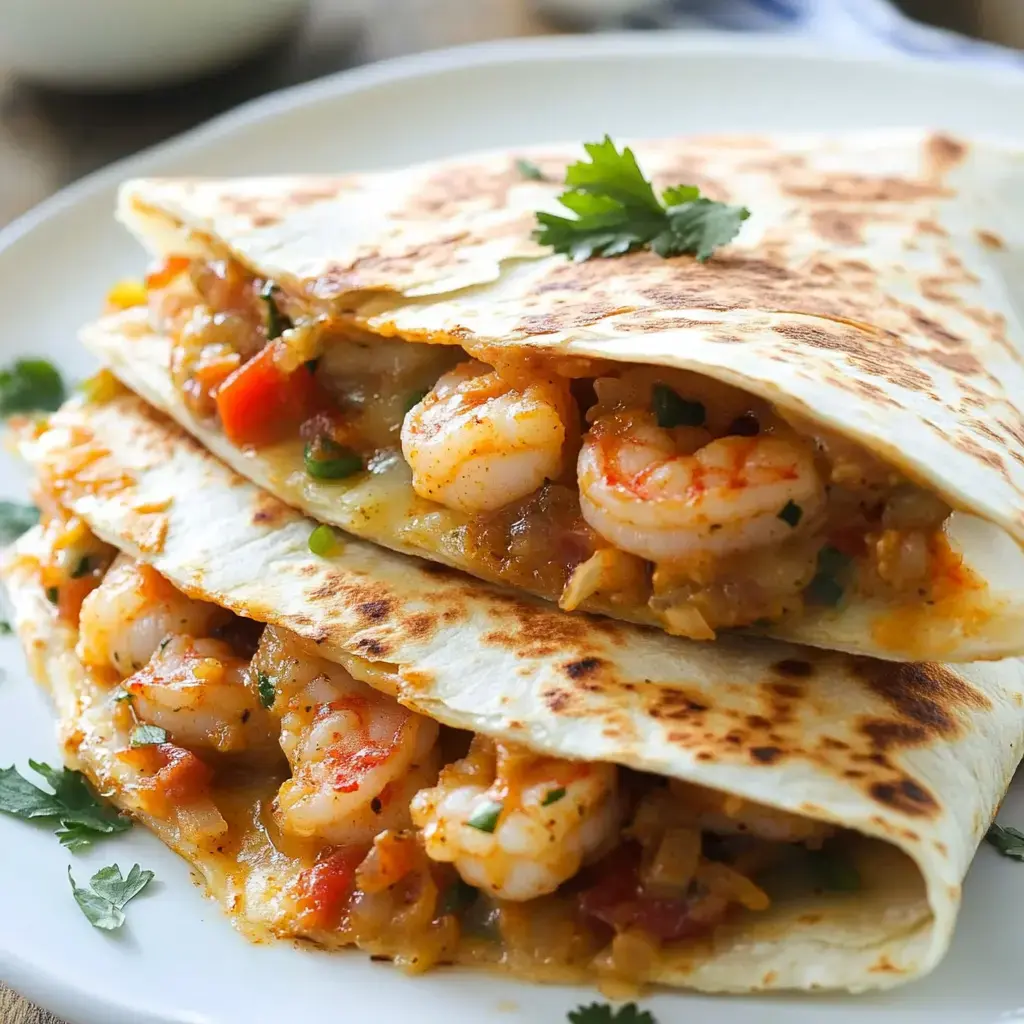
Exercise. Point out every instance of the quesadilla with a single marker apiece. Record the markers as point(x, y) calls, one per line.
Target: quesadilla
point(816, 433)
point(365, 749)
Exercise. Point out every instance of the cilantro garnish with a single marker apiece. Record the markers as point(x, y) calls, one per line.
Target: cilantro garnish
point(791, 514)
point(81, 815)
point(672, 410)
point(552, 796)
point(266, 688)
point(15, 519)
point(616, 210)
point(529, 170)
point(104, 901)
point(275, 322)
point(6, 629)
point(1007, 840)
point(485, 817)
point(602, 1013)
point(30, 385)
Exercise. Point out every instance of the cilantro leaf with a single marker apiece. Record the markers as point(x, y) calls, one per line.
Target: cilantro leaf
point(529, 170)
point(1007, 840)
point(267, 689)
point(616, 210)
point(6, 629)
point(15, 519)
point(109, 892)
point(81, 815)
point(30, 385)
point(602, 1013)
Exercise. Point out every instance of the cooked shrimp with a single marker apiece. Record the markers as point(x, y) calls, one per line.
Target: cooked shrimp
point(678, 495)
point(515, 824)
point(126, 617)
point(477, 442)
point(357, 756)
point(198, 691)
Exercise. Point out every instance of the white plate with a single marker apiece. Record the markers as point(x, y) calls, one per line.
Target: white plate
point(178, 959)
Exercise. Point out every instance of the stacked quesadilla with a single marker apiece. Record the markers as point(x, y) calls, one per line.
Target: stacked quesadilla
point(813, 437)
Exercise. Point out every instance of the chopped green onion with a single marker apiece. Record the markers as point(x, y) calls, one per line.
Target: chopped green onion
point(413, 400)
point(485, 817)
point(82, 568)
point(276, 322)
point(147, 736)
point(457, 897)
point(791, 514)
point(834, 872)
point(53, 594)
point(827, 587)
point(553, 796)
point(327, 460)
point(672, 410)
point(322, 541)
point(267, 690)
point(6, 629)
point(529, 170)
point(123, 695)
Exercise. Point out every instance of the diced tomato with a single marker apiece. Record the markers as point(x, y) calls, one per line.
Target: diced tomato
point(260, 404)
point(617, 898)
point(164, 273)
point(325, 888)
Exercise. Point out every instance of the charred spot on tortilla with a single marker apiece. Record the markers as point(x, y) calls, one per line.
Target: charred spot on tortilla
point(906, 795)
point(376, 610)
point(796, 668)
point(582, 667)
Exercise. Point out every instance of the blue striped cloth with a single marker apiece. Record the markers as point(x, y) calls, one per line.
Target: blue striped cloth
point(857, 26)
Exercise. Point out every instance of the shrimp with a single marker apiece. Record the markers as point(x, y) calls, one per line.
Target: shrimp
point(477, 442)
point(198, 691)
point(126, 617)
point(357, 756)
point(515, 824)
point(677, 494)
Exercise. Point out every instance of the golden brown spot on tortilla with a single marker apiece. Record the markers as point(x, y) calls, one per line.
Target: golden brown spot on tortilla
point(157, 505)
point(758, 722)
point(418, 679)
point(941, 847)
point(769, 978)
point(704, 755)
point(943, 153)
point(793, 691)
point(268, 511)
point(840, 226)
point(557, 700)
point(862, 188)
point(991, 240)
point(809, 919)
point(368, 645)
point(551, 323)
point(906, 796)
point(675, 704)
point(765, 755)
point(854, 773)
point(420, 626)
point(830, 743)
point(884, 966)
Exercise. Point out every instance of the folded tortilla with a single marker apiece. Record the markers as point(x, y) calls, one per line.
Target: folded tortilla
point(852, 792)
point(861, 317)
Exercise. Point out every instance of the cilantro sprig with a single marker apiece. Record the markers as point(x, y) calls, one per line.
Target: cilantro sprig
point(616, 210)
point(81, 816)
point(1007, 840)
point(109, 892)
point(30, 385)
point(602, 1013)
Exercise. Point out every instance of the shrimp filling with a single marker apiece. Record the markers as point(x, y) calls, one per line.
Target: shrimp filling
point(415, 842)
point(656, 495)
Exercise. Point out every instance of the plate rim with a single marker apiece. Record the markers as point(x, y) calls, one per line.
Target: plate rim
point(45, 986)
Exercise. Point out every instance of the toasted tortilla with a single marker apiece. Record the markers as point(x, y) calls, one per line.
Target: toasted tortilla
point(913, 756)
point(868, 293)
point(984, 622)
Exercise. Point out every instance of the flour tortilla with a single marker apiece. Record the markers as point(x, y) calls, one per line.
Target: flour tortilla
point(915, 756)
point(870, 291)
point(982, 624)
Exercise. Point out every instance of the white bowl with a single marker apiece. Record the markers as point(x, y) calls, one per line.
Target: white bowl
point(107, 44)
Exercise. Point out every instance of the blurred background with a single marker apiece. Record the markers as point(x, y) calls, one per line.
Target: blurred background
point(83, 82)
